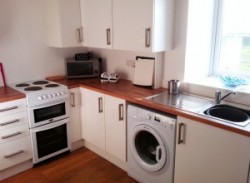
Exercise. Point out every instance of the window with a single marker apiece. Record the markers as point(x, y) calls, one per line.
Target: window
point(232, 41)
point(218, 41)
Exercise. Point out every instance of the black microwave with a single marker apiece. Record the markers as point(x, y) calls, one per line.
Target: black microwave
point(83, 68)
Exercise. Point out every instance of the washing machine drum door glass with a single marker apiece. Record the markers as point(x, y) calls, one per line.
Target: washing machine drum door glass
point(148, 149)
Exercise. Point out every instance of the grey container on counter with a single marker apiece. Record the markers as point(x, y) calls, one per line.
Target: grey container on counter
point(173, 87)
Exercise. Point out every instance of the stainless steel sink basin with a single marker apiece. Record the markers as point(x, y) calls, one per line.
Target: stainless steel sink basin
point(229, 113)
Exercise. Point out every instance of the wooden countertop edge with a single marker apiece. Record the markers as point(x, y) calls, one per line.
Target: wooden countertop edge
point(8, 94)
point(11, 98)
point(171, 110)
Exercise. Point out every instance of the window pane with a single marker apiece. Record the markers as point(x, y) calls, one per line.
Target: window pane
point(234, 52)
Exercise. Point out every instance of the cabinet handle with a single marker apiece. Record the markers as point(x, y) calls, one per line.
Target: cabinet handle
point(11, 135)
point(121, 114)
point(248, 176)
point(72, 100)
point(100, 105)
point(13, 154)
point(79, 35)
point(9, 122)
point(108, 36)
point(181, 133)
point(147, 37)
point(8, 109)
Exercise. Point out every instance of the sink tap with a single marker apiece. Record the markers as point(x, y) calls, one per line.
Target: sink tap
point(218, 97)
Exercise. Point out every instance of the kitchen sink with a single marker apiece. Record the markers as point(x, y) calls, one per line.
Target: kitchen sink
point(229, 114)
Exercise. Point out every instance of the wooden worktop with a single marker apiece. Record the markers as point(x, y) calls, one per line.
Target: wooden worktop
point(9, 94)
point(135, 94)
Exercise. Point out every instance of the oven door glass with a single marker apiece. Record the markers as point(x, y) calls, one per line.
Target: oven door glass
point(51, 140)
point(49, 112)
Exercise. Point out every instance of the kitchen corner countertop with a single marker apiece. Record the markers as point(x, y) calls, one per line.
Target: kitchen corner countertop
point(9, 94)
point(135, 94)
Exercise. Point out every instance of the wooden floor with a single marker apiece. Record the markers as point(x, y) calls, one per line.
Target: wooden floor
point(81, 166)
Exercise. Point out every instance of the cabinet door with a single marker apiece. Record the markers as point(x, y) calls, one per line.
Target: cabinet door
point(132, 23)
point(209, 154)
point(115, 119)
point(93, 125)
point(63, 23)
point(75, 123)
point(97, 23)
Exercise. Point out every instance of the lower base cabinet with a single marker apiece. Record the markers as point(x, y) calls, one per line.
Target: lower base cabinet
point(207, 154)
point(104, 122)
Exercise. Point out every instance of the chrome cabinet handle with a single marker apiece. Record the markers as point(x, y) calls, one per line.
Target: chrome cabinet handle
point(108, 36)
point(121, 114)
point(248, 176)
point(181, 133)
point(147, 37)
point(11, 135)
point(79, 35)
point(13, 154)
point(100, 105)
point(9, 122)
point(72, 99)
point(8, 109)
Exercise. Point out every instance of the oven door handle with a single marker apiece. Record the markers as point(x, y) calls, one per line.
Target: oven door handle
point(49, 126)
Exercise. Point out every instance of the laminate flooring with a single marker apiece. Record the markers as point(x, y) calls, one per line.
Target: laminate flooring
point(81, 166)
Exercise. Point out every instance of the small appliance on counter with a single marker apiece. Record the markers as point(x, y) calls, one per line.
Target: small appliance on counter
point(83, 68)
point(144, 71)
point(109, 78)
point(173, 87)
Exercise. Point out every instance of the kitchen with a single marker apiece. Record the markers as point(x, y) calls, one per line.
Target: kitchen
point(25, 54)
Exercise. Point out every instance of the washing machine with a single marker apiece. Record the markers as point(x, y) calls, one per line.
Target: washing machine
point(150, 145)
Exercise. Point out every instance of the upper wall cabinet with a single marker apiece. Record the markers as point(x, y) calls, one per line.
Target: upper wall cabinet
point(136, 25)
point(143, 25)
point(97, 23)
point(63, 23)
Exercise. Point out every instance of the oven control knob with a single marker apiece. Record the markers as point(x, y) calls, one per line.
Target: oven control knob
point(49, 95)
point(62, 93)
point(40, 98)
point(45, 96)
point(53, 94)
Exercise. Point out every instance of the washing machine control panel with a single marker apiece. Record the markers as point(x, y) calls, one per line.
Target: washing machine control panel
point(163, 120)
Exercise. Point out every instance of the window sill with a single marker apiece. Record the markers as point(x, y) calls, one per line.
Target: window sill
point(208, 85)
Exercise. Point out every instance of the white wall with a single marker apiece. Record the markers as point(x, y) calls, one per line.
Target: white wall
point(175, 58)
point(23, 49)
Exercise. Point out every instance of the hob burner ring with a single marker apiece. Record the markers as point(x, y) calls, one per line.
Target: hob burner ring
point(42, 82)
point(33, 88)
point(51, 85)
point(23, 85)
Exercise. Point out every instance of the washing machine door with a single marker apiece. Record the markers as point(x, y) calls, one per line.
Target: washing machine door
point(148, 148)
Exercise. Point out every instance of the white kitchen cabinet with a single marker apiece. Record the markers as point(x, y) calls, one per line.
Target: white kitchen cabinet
point(104, 123)
point(93, 118)
point(63, 23)
point(97, 23)
point(75, 121)
point(115, 124)
point(143, 25)
point(210, 154)
point(15, 144)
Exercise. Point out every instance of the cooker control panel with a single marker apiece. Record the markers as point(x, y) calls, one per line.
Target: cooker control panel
point(51, 95)
point(43, 97)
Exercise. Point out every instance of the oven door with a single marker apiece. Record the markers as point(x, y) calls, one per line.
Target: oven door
point(47, 113)
point(50, 140)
